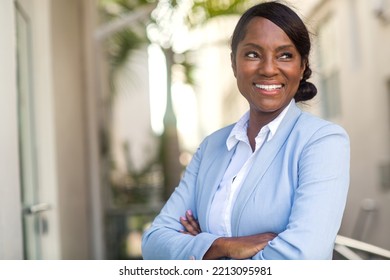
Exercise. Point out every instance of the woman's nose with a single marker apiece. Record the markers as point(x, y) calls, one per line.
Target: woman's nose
point(268, 67)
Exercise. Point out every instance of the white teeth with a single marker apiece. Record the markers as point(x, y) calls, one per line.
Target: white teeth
point(268, 87)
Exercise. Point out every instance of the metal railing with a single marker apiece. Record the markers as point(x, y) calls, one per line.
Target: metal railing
point(351, 249)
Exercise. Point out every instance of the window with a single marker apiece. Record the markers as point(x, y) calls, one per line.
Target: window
point(329, 68)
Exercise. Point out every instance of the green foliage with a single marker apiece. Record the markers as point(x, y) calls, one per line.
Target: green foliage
point(204, 10)
point(113, 8)
point(121, 44)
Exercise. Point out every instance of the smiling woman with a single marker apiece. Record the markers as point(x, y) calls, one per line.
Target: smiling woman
point(274, 184)
point(268, 69)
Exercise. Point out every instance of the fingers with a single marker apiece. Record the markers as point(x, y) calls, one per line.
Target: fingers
point(190, 224)
point(194, 223)
point(188, 227)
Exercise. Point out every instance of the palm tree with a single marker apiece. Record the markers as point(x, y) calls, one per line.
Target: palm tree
point(166, 16)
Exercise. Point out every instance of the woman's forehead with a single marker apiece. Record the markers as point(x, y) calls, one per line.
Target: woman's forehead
point(261, 29)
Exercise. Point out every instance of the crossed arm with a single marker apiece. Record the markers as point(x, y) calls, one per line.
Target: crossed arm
point(243, 247)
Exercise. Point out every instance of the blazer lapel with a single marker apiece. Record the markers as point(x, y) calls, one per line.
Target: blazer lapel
point(263, 160)
point(215, 171)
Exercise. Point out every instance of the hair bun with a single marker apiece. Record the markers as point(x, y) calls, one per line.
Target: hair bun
point(306, 91)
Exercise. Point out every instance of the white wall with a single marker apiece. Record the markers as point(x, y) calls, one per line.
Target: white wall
point(69, 101)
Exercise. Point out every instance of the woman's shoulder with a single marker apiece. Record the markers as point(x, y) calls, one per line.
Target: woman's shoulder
point(222, 132)
point(312, 124)
point(219, 136)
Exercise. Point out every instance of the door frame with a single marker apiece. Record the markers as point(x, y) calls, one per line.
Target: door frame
point(38, 12)
point(11, 239)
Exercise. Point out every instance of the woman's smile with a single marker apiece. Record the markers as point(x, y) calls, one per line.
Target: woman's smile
point(268, 89)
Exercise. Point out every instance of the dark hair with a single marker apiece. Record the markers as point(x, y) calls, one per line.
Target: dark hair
point(293, 26)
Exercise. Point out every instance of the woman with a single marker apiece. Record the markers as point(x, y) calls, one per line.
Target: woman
point(273, 185)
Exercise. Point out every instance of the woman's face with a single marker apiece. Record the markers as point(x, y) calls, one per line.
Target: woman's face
point(268, 67)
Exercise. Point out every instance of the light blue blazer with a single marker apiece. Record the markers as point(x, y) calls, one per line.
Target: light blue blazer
point(296, 188)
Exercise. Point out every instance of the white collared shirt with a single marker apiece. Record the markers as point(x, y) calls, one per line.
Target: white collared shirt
point(237, 171)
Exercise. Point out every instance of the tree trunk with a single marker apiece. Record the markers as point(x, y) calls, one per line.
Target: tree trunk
point(170, 151)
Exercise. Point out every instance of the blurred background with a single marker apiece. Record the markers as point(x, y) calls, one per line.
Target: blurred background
point(103, 103)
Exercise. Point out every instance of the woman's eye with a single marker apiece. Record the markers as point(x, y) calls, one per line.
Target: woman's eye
point(251, 55)
point(285, 56)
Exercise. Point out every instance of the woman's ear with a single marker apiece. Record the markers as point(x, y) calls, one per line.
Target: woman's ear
point(233, 63)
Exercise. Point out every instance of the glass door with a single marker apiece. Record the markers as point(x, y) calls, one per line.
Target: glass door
point(34, 221)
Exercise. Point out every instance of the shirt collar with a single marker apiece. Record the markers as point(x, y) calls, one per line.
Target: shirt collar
point(239, 131)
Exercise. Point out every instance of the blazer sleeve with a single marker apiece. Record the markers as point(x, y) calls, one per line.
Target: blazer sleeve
point(163, 239)
point(319, 199)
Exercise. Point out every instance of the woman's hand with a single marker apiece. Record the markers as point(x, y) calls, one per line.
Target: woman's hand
point(190, 224)
point(243, 247)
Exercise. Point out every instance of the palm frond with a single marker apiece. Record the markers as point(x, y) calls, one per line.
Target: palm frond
point(121, 44)
point(204, 10)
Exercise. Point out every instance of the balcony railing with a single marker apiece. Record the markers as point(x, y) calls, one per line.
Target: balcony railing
point(352, 249)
